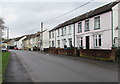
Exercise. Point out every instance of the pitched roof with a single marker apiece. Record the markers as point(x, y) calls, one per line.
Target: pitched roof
point(18, 38)
point(100, 10)
point(33, 35)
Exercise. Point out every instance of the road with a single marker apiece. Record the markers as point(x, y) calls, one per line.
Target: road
point(43, 67)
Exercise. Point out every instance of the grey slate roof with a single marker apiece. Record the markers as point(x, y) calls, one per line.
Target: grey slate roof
point(100, 10)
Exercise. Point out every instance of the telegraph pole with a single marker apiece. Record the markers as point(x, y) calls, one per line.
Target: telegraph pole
point(7, 38)
point(42, 36)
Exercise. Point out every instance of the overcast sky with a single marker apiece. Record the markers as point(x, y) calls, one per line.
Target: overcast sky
point(24, 17)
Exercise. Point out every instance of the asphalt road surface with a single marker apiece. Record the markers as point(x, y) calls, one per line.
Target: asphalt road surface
point(43, 67)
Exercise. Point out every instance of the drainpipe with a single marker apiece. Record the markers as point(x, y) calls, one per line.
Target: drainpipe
point(74, 34)
point(112, 27)
point(119, 25)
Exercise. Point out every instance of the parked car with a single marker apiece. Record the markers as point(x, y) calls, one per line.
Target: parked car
point(4, 49)
point(15, 48)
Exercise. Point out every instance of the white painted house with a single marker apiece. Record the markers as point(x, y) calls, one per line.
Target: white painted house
point(97, 29)
point(45, 39)
point(61, 36)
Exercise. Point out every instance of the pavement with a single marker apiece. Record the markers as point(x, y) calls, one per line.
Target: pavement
point(15, 71)
point(45, 67)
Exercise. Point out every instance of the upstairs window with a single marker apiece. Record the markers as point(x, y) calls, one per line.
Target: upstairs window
point(61, 31)
point(79, 27)
point(52, 34)
point(69, 30)
point(97, 23)
point(64, 31)
point(58, 32)
point(87, 25)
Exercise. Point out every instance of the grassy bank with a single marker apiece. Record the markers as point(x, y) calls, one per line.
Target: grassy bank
point(0, 67)
point(4, 56)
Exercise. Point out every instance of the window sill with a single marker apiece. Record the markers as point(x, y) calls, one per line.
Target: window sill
point(98, 47)
point(87, 30)
point(80, 32)
point(96, 28)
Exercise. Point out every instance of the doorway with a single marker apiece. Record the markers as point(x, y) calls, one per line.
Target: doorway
point(87, 42)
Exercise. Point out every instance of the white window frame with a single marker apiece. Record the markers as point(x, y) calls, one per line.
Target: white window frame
point(96, 39)
point(79, 27)
point(64, 31)
point(97, 22)
point(58, 32)
point(70, 29)
point(87, 25)
point(53, 34)
point(58, 41)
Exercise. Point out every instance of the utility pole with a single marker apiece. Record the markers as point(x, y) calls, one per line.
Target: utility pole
point(42, 36)
point(7, 37)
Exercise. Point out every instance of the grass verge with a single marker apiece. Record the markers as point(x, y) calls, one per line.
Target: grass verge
point(4, 57)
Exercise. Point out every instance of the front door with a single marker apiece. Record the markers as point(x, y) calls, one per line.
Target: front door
point(87, 42)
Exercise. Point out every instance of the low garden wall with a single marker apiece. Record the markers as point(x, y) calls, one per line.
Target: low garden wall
point(53, 50)
point(62, 51)
point(90, 53)
point(98, 54)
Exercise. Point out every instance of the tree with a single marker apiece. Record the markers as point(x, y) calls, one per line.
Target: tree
point(1, 27)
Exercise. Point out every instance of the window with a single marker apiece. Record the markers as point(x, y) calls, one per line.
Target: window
point(97, 22)
point(64, 31)
point(69, 30)
point(52, 43)
point(80, 41)
point(52, 34)
point(87, 25)
point(79, 27)
point(58, 43)
point(97, 40)
point(49, 43)
point(58, 32)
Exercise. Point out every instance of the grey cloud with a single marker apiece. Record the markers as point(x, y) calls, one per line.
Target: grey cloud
point(25, 17)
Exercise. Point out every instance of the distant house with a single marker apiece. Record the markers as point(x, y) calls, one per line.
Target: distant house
point(97, 29)
point(36, 41)
point(18, 42)
point(26, 42)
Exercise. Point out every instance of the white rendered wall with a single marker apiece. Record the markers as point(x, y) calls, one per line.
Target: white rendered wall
point(46, 39)
point(67, 36)
point(105, 30)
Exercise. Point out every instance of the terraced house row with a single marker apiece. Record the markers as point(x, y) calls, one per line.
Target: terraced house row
point(96, 29)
